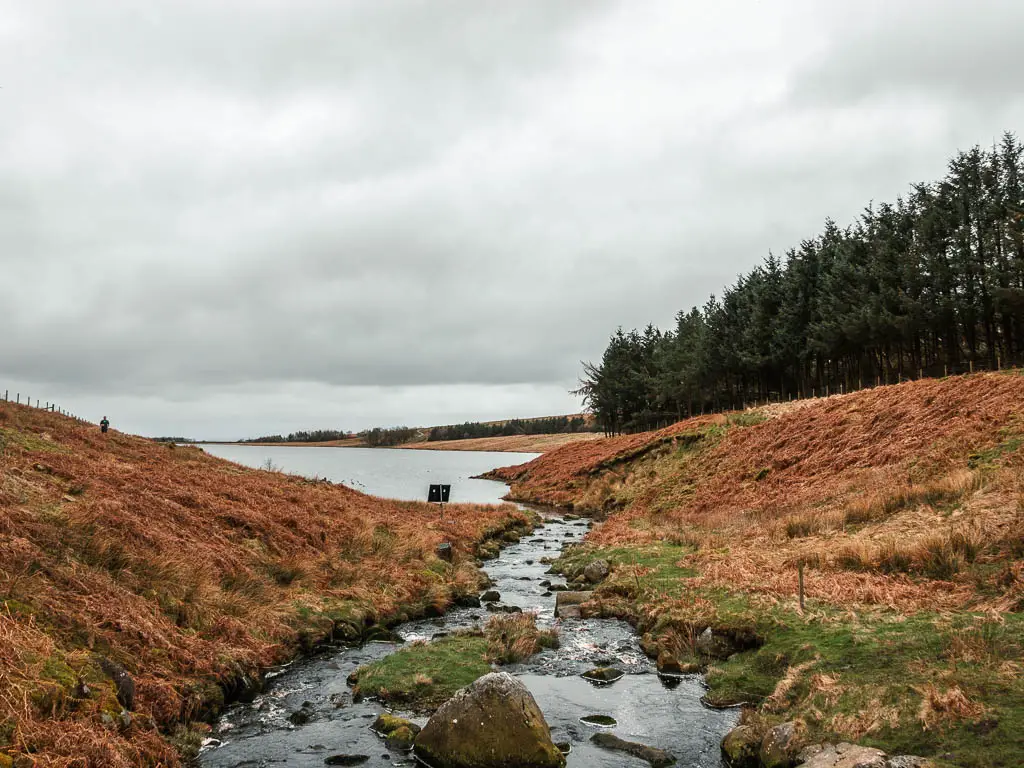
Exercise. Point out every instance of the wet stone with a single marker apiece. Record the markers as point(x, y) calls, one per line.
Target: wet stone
point(658, 758)
point(303, 715)
point(346, 759)
point(603, 675)
point(601, 721)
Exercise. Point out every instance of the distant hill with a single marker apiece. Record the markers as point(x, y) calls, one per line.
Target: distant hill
point(525, 435)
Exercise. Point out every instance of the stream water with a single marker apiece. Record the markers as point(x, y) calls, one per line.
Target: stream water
point(657, 711)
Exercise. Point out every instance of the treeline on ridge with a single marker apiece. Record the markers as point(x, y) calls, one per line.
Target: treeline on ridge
point(543, 426)
point(929, 285)
point(379, 437)
point(313, 436)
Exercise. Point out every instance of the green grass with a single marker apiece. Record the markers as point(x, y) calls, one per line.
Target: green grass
point(425, 675)
point(27, 441)
point(745, 418)
point(991, 457)
point(881, 665)
point(653, 568)
point(877, 666)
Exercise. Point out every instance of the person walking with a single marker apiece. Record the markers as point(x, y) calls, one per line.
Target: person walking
point(104, 424)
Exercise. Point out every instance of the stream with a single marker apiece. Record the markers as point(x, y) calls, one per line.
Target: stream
point(654, 710)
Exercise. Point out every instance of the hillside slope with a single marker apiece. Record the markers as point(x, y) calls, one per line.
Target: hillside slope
point(189, 573)
point(902, 504)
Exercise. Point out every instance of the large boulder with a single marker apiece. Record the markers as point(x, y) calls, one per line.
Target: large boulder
point(841, 756)
point(491, 723)
point(740, 747)
point(780, 746)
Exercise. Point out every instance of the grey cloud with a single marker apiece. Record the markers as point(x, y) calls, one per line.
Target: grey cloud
point(918, 49)
point(419, 209)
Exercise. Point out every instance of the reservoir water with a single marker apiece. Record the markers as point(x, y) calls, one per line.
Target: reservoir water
point(394, 473)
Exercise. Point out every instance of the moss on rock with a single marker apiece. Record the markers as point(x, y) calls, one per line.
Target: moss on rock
point(493, 723)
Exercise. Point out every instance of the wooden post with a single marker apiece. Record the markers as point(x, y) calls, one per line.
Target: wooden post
point(800, 578)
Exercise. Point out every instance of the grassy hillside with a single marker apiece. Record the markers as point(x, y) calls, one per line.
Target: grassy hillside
point(903, 505)
point(188, 573)
point(511, 444)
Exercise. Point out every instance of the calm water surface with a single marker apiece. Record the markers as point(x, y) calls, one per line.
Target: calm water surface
point(392, 472)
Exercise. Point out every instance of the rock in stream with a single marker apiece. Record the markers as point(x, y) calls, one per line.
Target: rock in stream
point(491, 723)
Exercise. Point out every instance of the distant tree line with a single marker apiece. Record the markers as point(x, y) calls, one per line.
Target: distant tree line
point(313, 436)
point(543, 426)
point(378, 437)
point(174, 439)
point(928, 285)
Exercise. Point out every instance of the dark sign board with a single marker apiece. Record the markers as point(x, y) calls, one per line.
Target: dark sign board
point(439, 494)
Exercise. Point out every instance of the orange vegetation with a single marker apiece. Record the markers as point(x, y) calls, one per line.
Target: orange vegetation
point(885, 495)
point(510, 444)
point(190, 572)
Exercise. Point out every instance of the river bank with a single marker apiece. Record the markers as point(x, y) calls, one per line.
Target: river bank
point(143, 586)
point(665, 712)
point(896, 512)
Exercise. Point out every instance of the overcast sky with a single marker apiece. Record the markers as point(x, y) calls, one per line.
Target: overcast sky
point(221, 219)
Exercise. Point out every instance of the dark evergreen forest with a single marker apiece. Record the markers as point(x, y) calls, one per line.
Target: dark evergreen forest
point(314, 436)
point(543, 426)
point(929, 285)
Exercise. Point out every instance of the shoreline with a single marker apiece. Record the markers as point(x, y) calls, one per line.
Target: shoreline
point(513, 444)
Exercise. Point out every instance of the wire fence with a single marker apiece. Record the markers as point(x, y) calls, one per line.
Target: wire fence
point(42, 405)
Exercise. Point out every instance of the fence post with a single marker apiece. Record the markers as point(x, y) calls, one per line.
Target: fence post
point(800, 577)
point(19, 399)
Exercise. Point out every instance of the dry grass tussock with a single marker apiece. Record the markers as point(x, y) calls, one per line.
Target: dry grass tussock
point(187, 571)
point(939, 705)
point(893, 496)
point(513, 637)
